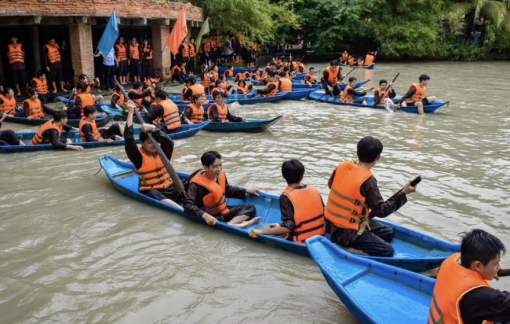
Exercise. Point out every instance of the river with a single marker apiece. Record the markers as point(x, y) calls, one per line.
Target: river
point(74, 250)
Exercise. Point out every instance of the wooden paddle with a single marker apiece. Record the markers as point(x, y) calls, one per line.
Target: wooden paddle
point(354, 68)
point(414, 183)
point(504, 273)
point(388, 88)
point(166, 162)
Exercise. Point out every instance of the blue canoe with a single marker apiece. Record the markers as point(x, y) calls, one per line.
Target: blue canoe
point(432, 108)
point(413, 251)
point(244, 126)
point(222, 69)
point(372, 291)
point(301, 85)
point(247, 100)
point(301, 76)
point(186, 131)
point(366, 67)
point(297, 94)
point(100, 121)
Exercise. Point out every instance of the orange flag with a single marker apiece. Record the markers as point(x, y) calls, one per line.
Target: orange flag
point(178, 33)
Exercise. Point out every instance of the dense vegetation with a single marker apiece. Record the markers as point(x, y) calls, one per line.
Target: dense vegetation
point(407, 29)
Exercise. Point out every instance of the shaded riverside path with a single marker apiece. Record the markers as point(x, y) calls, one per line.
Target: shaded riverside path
point(74, 250)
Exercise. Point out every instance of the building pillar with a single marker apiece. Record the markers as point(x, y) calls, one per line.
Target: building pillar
point(161, 52)
point(36, 48)
point(82, 53)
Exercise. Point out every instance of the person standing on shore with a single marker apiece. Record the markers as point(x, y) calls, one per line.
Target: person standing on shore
point(53, 63)
point(121, 58)
point(16, 55)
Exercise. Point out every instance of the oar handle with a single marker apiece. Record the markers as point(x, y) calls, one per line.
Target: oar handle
point(354, 68)
point(504, 273)
point(388, 88)
point(166, 162)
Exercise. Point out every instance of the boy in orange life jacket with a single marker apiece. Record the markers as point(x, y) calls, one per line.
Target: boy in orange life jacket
point(164, 113)
point(83, 78)
point(415, 96)
point(354, 200)
point(301, 206)
point(49, 133)
point(53, 63)
point(382, 97)
point(34, 108)
point(331, 78)
point(207, 193)
point(461, 293)
point(41, 84)
point(8, 137)
point(350, 92)
point(310, 77)
point(91, 133)
point(194, 112)
point(16, 55)
point(134, 61)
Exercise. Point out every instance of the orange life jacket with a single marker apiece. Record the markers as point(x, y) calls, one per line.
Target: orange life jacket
point(333, 76)
point(197, 113)
point(9, 105)
point(199, 89)
point(192, 50)
point(222, 111)
point(239, 77)
point(184, 89)
point(208, 46)
point(153, 173)
point(39, 138)
point(346, 206)
point(346, 97)
point(272, 93)
point(120, 101)
point(308, 212)
point(361, 62)
point(310, 78)
point(15, 54)
point(345, 56)
point(41, 86)
point(206, 81)
point(418, 95)
point(35, 110)
point(147, 50)
point(95, 132)
point(453, 282)
point(285, 85)
point(170, 114)
point(383, 95)
point(215, 91)
point(351, 61)
point(185, 51)
point(216, 75)
point(369, 59)
point(89, 89)
point(215, 202)
point(299, 68)
point(53, 53)
point(134, 51)
point(242, 90)
point(228, 74)
point(121, 52)
point(255, 76)
point(86, 100)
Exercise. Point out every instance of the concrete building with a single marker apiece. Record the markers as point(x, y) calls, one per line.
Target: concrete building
point(81, 24)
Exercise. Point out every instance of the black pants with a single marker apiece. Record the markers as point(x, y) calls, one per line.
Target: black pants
point(374, 242)
point(248, 210)
point(8, 137)
point(19, 76)
point(169, 193)
point(56, 72)
point(190, 66)
point(147, 71)
point(111, 132)
point(336, 91)
point(49, 97)
point(109, 73)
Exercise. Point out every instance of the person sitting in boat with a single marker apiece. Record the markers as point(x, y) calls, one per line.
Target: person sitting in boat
point(285, 83)
point(41, 84)
point(218, 112)
point(118, 99)
point(462, 293)
point(354, 200)
point(81, 100)
point(8, 137)
point(89, 131)
point(139, 96)
point(351, 61)
point(33, 108)
point(415, 96)
point(207, 193)
point(310, 77)
point(350, 92)
point(331, 78)
point(271, 86)
point(298, 66)
point(50, 132)
point(257, 75)
point(301, 206)
point(242, 88)
point(241, 76)
point(155, 180)
point(360, 62)
point(383, 96)
point(8, 104)
point(221, 86)
point(370, 58)
point(345, 57)
point(165, 113)
point(178, 72)
point(195, 89)
point(194, 112)
point(83, 78)
point(229, 73)
point(207, 79)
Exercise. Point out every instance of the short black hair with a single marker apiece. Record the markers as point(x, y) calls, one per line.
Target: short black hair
point(137, 84)
point(311, 68)
point(31, 91)
point(293, 171)
point(334, 62)
point(82, 86)
point(369, 149)
point(352, 79)
point(383, 81)
point(209, 157)
point(423, 77)
point(478, 245)
point(221, 94)
point(40, 74)
point(283, 74)
point(89, 110)
point(82, 77)
point(6, 90)
point(161, 94)
point(143, 136)
point(59, 115)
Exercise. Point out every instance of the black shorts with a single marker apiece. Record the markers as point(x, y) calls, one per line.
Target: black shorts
point(248, 210)
point(8, 137)
point(169, 193)
point(111, 132)
point(19, 74)
point(336, 91)
point(56, 72)
point(122, 68)
point(136, 69)
point(424, 101)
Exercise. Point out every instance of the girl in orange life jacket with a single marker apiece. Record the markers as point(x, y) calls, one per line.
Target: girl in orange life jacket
point(53, 64)
point(215, 73)
point(147, 57)
point(331, 77)
point(415, 96)
point(16, 55)
point(349, 93)
point(49, 133)
point(8, 137)
point(8, 104)
point(121, 56)
point(242, 88)
point(194, 112)
point(229, 73)
point(227, 89)
point(134, 51)
point(40, 83)
point(33, 108)
point(164, 113)
point(155, 181)
point(462, 293)
point(354, 200)
point(301, 206)
point(382, 96)
point(218, 112)
point(89, 131)
point(118, 99)
point(207, 193)
point(83, 78)
point(310, 77)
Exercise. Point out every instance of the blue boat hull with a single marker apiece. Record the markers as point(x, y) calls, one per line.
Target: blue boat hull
point(413, 251)
point(372, 291)
point(244, 126)
point(297, 94)
point(367, 67)
point(187, 131)
point(257, 100)
point(432, 108)
point(100, 121)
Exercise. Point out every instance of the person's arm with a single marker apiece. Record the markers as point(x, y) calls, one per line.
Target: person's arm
point(214, 113)
point(485, 304)
point(47, 110)
point(26, 109)
point(324, 79)
point(287, 225)
point(115, 99)
point(374, 200)
point(186, 115)
point(266, 91)
point(68, 128)
point(78, 104)
point(167, 145)
point(357, 93)
point(52, 135)
point(392, 93)
point(46, 61)
point(130, 146)
point(190, 203)
point(87, 130)
point(408, 95)
point(377, 97)
point(136, 95)
point(234, 192)
point(233, 118)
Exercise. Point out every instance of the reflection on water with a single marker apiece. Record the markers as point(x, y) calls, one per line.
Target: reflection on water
point(73, 249)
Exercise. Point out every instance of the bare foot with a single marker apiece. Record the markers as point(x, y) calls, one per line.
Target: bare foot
point(247, 223)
